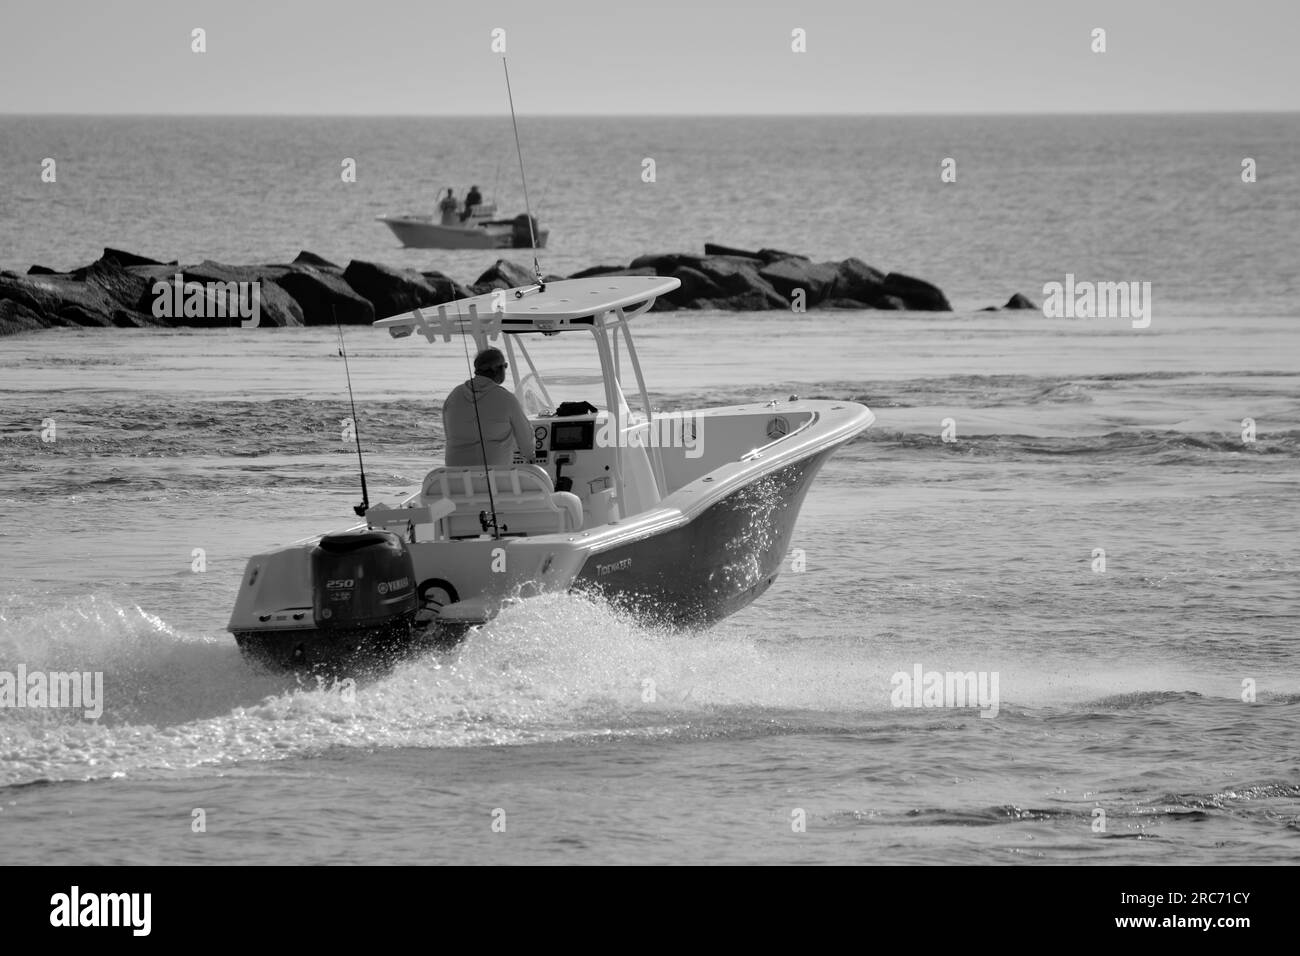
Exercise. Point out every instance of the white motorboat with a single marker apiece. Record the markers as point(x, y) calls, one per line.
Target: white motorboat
point(682, 517)
point(479, 231)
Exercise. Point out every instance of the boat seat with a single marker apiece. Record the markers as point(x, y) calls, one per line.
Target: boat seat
point(408, 519)
point(525, 499)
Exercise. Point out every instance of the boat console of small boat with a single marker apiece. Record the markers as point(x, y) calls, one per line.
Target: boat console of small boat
point(681, 517)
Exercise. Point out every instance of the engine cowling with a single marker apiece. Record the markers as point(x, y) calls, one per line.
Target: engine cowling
point(521, 237)
point(362, 580)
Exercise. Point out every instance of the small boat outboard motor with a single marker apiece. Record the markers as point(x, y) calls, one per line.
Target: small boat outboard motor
point(363, 587)
point(520, 237)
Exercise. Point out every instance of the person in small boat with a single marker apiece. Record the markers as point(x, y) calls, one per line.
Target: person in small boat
point(472, 199)
point(448, 207)
point(500, 416)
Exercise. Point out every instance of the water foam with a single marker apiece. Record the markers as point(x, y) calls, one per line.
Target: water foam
point(551, 668)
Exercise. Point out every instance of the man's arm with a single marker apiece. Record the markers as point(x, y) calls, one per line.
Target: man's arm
point(522, 430)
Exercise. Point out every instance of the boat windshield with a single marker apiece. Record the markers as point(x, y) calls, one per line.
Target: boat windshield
point(541, 393)
point(555, 369)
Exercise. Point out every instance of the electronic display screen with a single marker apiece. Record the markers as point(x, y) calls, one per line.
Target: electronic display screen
point(572, 436)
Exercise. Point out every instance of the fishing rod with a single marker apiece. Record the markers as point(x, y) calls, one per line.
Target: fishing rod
point(361, 509)
point(488, 519)
point(483, 519)
point(528, 210)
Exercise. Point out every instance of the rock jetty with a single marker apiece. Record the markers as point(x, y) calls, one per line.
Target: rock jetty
point(124, 290)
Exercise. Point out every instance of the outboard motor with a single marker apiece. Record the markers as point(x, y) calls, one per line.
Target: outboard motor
point(520, 237)
point(363, 582)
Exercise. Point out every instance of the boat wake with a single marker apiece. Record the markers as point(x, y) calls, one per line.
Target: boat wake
point(557, 667)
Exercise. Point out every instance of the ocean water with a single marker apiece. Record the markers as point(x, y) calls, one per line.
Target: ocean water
point(1136, 198)
point(1120, 690)
point(1162, 691)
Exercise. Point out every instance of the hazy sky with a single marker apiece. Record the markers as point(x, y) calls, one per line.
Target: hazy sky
point(627, 57)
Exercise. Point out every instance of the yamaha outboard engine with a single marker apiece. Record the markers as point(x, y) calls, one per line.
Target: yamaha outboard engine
point(520, 236)
point(363, 586)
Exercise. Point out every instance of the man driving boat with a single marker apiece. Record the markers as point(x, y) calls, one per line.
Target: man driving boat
point(499, 419)
point(472, 200)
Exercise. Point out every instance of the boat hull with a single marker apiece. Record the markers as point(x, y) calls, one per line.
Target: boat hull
point(419, 233)
point(335, 653)
point(712, 567)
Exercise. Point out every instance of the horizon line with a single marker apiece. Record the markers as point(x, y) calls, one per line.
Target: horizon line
point(661, 115)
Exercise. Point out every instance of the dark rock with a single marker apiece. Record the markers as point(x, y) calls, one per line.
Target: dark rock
point(324, 297)
point(130, 258)
point(713, 249)
point(16, 317)
point(505, 274)
point(124, 319)
point(211, 271)
point(117, 289)
point(919, 295)
point(73, 313)
point(710, 282)
point(599, 271)
point(130, 291)
point(275, 306)
point(446, 288)
point(857, 280)
point(59, 296)
point(727, 262)
point(391, 291)
point(989, 308)
point(306, 258)
point(1019, 301)
point(755, 300)
point(738, 277)
point(625, 271)
point(772, 299)
point(664, 264)
point(816, 279)
point(694, 285)
point(773, 255)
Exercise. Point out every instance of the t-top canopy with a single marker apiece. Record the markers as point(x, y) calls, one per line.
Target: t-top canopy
point(562, 303)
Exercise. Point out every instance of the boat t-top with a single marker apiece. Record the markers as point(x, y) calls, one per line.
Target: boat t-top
point(681, 517)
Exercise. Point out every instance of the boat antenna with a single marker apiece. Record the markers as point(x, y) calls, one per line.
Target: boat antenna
point(362, 508)
point(484, 521)
point(528, 210)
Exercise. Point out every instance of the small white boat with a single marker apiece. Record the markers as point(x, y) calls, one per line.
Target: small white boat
point(479, 231)
point(682, 517)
